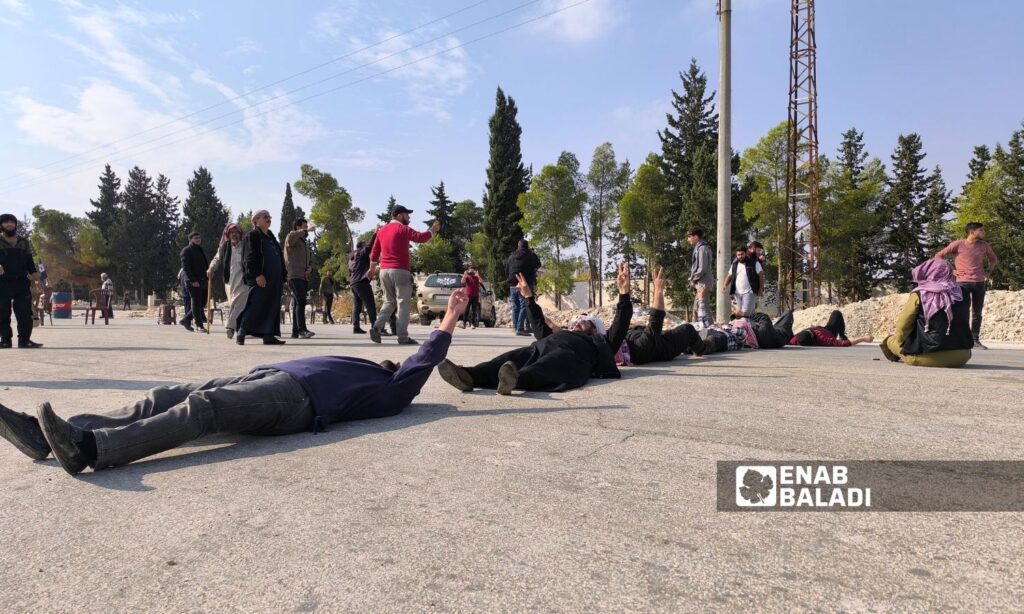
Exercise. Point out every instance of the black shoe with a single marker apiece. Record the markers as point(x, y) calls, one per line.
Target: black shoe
point(374, 335)
point(188, 327)
point(455, 375)
point(389, 365)
point(240, 339)
point(23, 431)
point(29, 345)
point(271, 340)
point(306, 335)
point(385, 333)
point(408, 341)
point(5, 344)
point(523, 333)
point(63, 439)
point(508, 375)
point(295, 335)
point(358, 331)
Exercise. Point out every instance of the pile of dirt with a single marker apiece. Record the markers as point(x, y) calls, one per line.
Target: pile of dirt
point(1003, 321)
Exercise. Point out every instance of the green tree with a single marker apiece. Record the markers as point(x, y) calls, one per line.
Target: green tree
point(903, 211)
point(145, 235)
point(442, 210)
point(434, 256)
point(389, 211)
point(106, 206)
point(577, 195)
point(54, 242)
point(467, 220)
point(507, 179)
point(938, 206)
point(245, 221)
point(1010, 211)
point(764, 165)
point(605, 181)
point(550, 215)
point(980, 163)
point(288, 214)
point(333, 214)
point(203, 211)
point(24, 229)
point(643, 211)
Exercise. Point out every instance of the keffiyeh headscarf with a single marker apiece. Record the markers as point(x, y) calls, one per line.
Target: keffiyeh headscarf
point(226, 235)
point(596, 321)
point(937, 287)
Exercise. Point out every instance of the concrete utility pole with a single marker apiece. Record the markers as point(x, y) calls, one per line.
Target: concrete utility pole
point(724, 157)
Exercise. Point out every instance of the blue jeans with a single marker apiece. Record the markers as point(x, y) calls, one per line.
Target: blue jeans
point(518, 309)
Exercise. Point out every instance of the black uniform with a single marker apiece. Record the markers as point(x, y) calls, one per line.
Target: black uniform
point(15, 290)
point(563, 360)
point(650, 344)
point(195, 263)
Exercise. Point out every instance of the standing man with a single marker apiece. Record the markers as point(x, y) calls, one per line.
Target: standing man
point(359, 282)
point(702, 276)
point(194, 264)
point(298, 260)
point(327, 291)
point(971, 254)
point(391, 253)
point(471, 281)
point(16, 270)
point(745, 282)
point(108, 284)
point(522, 261)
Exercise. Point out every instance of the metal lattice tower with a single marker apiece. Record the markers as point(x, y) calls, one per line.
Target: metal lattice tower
point(798, 274)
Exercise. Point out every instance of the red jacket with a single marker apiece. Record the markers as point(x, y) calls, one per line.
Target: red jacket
point(823, 338)
point(391, 247)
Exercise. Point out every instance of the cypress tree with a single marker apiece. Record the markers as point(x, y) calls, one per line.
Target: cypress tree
point(903, 211)
point(507, 178)
point(203, 211)
point(288, 214)
point(937, 206)
point(442, 210)
point(105, 208)
point(389, 211)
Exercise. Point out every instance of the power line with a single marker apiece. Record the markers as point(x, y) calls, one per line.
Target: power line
point(264, 87)
point(71, 168)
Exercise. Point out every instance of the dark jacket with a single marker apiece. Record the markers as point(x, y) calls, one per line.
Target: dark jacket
point(224, 258)
point(599, 349)
point(195, 263)
point(16, 259)
point(252, 255)
point(359, 261)
point(940, 336)
point(345, 388)
point(525, 262)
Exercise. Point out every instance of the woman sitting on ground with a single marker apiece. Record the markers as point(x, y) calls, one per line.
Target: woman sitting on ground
point(833, 334)
point(934, 329)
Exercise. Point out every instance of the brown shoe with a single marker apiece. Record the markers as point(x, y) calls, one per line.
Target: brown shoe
point(455, 375)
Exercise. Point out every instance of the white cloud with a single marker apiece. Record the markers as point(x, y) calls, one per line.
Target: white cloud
point(378, 158)
point(245, 46)
point(329, 23)
point(14, 12)
point(578, 24)
point(432, 76)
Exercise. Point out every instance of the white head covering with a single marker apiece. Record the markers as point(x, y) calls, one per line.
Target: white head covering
point(596, 321)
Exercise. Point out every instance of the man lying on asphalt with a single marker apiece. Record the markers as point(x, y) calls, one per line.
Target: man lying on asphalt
point(278, 399)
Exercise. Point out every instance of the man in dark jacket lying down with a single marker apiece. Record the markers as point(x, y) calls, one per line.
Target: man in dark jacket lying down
point(559, 359)
point(649, 343)
point(278, 399)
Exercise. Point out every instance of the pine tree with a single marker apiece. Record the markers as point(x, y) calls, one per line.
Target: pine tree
point(938, 205)
point(1009, 244)
point(288, 215)
point(442, 210)
point(903, 211)
point(145, 241)
point(24, 229)
point(165, 213)
point(507, 178)
point(389, 211)
point(852, 156)
point(105, 207)
point(979, 164)
point(203, 211)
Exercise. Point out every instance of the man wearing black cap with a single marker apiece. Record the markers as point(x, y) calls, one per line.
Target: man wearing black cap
point(194, 264)
point(391, 253)
point(16, 270)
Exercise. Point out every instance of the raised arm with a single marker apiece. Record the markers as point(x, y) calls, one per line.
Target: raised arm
point(538, 323)
point(623, 311)
point(658, 301)
point(949, 250)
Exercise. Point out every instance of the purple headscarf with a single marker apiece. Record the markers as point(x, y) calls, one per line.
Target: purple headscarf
point(937, 287)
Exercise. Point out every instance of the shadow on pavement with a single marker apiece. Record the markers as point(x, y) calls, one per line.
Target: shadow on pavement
point(89, 384)
point(130, 477)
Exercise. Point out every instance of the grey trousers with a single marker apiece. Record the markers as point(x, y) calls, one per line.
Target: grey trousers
point(262, 403)
point(397, 284)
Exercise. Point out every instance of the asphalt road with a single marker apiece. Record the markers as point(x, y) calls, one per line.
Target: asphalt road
point(597, 499)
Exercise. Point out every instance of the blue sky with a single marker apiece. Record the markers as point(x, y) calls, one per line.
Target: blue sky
point(78, 75)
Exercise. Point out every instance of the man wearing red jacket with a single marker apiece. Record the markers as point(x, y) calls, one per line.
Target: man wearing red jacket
point(391, 253)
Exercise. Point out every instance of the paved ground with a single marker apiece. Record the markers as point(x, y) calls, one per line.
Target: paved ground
point(598, 499)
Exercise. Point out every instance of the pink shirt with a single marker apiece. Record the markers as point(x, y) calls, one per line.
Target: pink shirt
point(391, 247)
point(970, 259)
